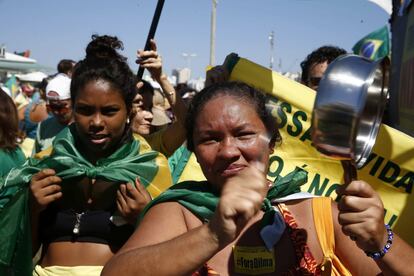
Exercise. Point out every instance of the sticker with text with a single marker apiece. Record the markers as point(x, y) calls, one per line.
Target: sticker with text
point(253, 260)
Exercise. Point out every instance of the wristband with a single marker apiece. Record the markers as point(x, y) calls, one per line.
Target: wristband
point(379, 254)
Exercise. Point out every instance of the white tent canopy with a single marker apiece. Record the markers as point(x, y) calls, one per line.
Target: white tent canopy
point(32, 77)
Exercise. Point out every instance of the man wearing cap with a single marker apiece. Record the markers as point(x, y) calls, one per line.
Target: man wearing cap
point(59, 104)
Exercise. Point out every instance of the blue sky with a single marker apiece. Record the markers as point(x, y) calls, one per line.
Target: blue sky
point(55, 29)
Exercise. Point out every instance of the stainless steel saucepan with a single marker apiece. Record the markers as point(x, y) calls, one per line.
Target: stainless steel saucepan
point(348, 108)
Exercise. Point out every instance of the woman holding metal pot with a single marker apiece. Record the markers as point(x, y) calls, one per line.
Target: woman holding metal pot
point(238, 222)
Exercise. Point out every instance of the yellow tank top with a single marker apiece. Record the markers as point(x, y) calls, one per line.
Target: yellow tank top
point(322, 216)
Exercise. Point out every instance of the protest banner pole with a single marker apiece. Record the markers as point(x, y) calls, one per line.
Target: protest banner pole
point(151, 33)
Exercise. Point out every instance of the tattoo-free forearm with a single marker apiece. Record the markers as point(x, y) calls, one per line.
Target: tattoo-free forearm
point(182, 255)
point(397, 260)
point(177, 104)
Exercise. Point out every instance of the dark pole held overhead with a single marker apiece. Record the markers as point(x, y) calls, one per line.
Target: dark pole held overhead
point(151, 32)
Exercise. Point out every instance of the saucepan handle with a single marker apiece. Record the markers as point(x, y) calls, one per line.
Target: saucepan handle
point(350, 171)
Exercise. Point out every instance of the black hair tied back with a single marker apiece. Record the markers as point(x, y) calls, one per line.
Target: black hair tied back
point(104, 62)
point(102, 47)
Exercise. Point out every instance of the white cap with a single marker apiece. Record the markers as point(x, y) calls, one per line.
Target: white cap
point(60, 85)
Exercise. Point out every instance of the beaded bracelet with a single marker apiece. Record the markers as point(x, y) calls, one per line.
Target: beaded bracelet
point(379, 254)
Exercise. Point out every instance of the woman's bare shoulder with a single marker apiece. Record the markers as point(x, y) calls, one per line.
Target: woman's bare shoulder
point(166, 211)
point(164, 221)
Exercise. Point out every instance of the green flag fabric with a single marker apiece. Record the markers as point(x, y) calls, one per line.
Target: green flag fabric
point(178, 161)
point(199, 197)
point(375, 45)
point(10, 159)
point(124, 165)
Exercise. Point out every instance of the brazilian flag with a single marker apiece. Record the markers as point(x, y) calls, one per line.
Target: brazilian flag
point(375, 45)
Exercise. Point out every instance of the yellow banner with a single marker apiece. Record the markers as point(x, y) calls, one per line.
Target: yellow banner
point(389, 168)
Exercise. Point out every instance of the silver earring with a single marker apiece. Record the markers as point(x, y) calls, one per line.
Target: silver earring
point(127, 121)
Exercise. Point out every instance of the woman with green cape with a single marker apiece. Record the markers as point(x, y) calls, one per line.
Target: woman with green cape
point(88, 189)
point(240, 223)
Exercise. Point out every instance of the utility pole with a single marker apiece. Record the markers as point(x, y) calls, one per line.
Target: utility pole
point(213, 33)
point(271, 40)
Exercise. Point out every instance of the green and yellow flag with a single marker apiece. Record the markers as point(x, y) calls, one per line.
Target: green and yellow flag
point(132, 160)
point(375, 45)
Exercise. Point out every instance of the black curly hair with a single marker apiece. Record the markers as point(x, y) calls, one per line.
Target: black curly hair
point(103, 62)
point(237, 90)
point(325, 53)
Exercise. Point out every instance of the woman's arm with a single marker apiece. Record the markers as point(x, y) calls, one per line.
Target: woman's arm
point(174, 136)
point(175, 101)
point(354, 259)
point(163, 245)
point(361, 218)
point(44, 189)
point(398, 260)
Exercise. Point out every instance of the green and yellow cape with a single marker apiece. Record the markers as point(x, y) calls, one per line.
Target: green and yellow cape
point(133, 159)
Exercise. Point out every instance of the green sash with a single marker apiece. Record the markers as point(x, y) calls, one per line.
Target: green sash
point(124, 165)
point(199, 198)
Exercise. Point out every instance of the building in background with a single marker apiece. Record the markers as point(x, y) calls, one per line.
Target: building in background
point(182, 75)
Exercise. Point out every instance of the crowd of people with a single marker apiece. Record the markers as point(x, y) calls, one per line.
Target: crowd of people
point(95, 195)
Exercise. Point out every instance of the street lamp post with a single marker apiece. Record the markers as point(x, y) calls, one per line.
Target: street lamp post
point(213, 34)
point(271, 40)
